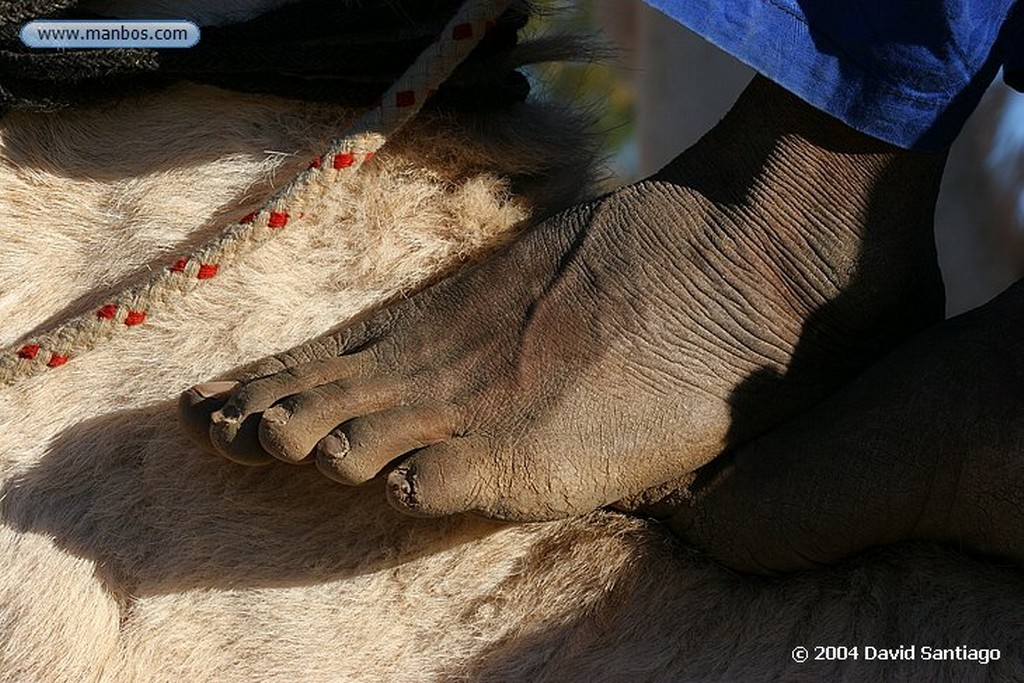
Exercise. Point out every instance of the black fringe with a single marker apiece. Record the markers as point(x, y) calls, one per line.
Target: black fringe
point(344, 51)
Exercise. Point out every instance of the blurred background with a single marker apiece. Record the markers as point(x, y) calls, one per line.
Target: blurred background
point(663, 87)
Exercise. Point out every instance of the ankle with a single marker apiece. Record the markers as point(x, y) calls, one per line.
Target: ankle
point(773, 151)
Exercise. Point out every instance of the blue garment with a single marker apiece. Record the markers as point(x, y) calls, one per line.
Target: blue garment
point(906, 72)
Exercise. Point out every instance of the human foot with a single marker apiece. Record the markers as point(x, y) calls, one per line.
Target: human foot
point(621, 343)
point(928, 444)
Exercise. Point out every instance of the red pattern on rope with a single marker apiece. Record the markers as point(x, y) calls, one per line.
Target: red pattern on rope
point(275, 220)
point(28, 351)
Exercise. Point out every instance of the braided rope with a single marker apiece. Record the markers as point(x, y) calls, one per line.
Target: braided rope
point(133, 305)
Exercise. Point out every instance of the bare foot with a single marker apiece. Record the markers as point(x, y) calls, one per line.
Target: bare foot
point(621, 343)
point(928, 444)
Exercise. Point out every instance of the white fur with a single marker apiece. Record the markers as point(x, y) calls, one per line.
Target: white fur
point(128, 555)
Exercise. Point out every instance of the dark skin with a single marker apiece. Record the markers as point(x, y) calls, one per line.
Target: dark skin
point(927, 444)
point(621, 344)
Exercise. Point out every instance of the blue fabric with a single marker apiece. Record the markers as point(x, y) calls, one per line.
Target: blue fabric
point(906, 72)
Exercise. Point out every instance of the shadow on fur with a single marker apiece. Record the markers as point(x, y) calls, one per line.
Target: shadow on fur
point(126, 510)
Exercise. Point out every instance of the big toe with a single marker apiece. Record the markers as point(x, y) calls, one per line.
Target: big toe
point(466, 474)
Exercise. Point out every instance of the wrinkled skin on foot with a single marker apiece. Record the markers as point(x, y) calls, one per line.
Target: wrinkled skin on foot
point(622, 343)
point(928, 444)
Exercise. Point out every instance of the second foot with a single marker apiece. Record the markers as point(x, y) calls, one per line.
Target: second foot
point(928, 444)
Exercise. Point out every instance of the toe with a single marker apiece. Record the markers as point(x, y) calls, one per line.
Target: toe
point(358, 450)
point(237, 438)
point(291, 429)
point(261, 393)
point(474, 474)
point(234, 427)
point(195, 407)
point(458, 475)
point(202, 416)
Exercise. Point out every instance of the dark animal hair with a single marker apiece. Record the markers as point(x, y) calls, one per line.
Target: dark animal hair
point(344, 51)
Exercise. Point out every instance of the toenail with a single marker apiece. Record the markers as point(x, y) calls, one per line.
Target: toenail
point(278, 415)
point(402, 483)
point(211, 389)
point(334, 447)
point(228, 413)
